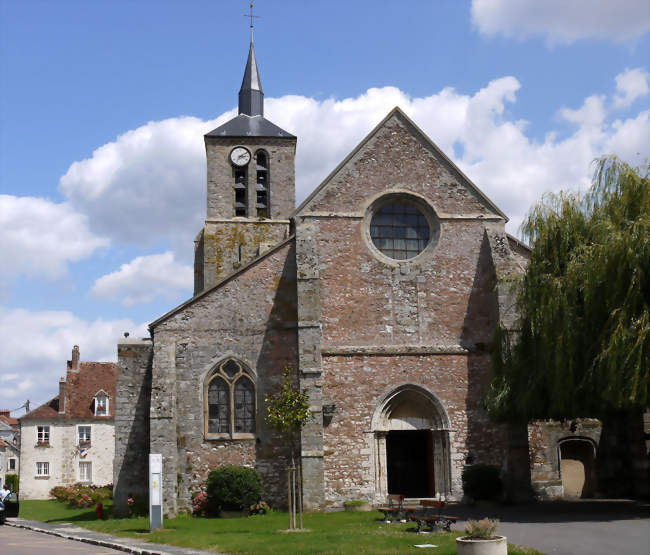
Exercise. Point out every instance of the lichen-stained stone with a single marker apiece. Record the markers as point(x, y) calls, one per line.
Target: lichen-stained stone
point(384, 346)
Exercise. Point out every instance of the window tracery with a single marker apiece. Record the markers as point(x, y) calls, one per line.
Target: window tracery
point(230, 402)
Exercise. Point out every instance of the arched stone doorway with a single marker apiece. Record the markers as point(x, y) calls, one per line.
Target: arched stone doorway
point(577, 459)
point(411, 444)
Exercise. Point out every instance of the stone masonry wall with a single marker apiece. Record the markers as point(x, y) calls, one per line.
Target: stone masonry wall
point(132, 424)
point(355, 384)
point(543, 441)
point(251, 317)
point(227, 243)
point(426, 321)
point(220, 195)
point(226, 246)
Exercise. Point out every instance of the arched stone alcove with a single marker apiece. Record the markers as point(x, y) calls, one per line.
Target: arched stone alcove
point(411, 444)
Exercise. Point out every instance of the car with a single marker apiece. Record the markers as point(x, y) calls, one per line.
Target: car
point(9, 507)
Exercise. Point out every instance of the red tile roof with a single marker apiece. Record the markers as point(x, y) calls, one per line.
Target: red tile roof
point(46, 411)
point(81, 387)
point(6, 417)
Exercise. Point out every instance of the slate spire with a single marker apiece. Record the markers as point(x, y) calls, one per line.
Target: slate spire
point(251, 97)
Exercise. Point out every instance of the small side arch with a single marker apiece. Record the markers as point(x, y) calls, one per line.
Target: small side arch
point(577, 466)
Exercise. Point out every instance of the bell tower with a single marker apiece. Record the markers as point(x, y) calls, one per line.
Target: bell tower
point(250, 188)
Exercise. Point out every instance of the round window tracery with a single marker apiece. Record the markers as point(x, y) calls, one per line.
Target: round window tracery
point(399, 229)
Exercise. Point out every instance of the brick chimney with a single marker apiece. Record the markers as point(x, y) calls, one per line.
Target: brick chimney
point(62, 385)
point(74, 363)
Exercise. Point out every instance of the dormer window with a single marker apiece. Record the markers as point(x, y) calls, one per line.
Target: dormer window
point(101, 403)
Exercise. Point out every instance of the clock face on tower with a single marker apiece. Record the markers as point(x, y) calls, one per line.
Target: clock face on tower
point(240, 156)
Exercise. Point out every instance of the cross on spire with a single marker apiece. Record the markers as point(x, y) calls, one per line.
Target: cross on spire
point(251, 16)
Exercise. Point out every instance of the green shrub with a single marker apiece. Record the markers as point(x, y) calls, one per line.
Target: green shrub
point(482, 481)
point(11, 481)
point(233, 488)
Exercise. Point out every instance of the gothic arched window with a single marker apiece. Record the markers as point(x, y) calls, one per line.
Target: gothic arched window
point(230, 402)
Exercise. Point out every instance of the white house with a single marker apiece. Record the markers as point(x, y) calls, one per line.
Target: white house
point(71, 438)
point(9, 445)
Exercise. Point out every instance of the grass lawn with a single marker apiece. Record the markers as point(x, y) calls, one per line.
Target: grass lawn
point(340, 532)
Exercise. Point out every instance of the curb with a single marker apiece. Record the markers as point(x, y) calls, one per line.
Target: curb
point(98, 542)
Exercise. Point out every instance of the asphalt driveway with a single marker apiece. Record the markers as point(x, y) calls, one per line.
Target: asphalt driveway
point(585, 527)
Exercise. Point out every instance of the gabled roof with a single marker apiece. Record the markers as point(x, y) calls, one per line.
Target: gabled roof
point(80, 388)
point(220, 284)
point(423, 136)
point(47, 411)
point(6, 417)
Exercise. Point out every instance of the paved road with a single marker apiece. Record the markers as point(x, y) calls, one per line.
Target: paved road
point(571, 528)
point(18, 541)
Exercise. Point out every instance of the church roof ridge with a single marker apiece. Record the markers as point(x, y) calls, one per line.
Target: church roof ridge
point(398, 111)
point(225, 280)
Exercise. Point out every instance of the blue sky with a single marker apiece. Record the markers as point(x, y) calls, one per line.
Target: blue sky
point(103, 106)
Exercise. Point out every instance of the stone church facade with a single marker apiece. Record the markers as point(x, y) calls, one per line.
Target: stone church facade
point(381, 292)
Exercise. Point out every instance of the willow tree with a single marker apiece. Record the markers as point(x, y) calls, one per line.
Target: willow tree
point(583, 344)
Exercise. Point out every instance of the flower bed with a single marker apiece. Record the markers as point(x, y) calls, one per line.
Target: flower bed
point(79, 496)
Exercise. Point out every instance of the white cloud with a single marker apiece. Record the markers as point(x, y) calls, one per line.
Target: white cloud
point(154, 187)
point(145, 278)
point(630, 85)
point(147, 185)
point(39, 237)
point(38, 344)
point(561, 20)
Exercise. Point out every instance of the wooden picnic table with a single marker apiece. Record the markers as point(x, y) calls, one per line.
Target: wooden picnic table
point(430, 515)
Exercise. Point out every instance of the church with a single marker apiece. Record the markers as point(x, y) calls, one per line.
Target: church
point(381, 292)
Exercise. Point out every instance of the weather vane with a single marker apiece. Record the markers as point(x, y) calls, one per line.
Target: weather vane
point(251, 18)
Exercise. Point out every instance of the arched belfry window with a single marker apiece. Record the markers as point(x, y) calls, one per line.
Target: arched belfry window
point(241, 191)
point(263, 199)
point(230, 401)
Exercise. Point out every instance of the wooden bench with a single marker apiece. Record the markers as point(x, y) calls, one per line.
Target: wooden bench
point(430, 516)
point(394, 508)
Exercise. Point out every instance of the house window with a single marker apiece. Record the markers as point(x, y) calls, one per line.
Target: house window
point(12, 464)
point(230, 401)
point(101, 404)
point(262, 204)
point(400, 230)
point(43, 435)
point(84, 436)
point(85, 471)
point(42, 469)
